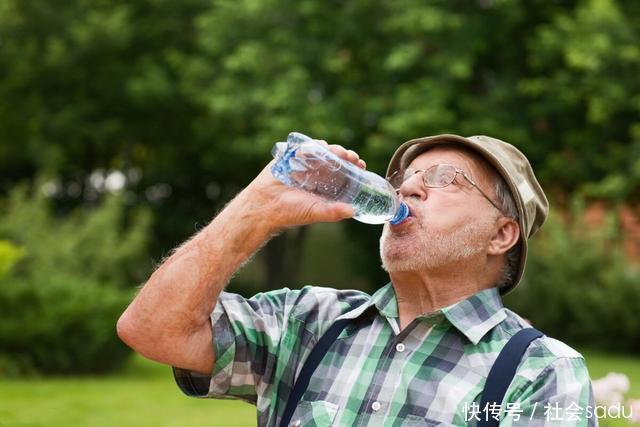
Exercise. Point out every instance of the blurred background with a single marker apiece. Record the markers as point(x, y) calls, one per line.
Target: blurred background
point(125, 126)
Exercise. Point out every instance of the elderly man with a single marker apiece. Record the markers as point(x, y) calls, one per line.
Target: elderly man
point(417, 352)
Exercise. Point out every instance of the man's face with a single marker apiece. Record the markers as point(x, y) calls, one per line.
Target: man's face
point(447, 225)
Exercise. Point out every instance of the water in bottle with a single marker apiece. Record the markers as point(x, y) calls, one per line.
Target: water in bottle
point(305, 163)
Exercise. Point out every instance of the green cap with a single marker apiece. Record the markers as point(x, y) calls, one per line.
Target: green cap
point(510, 163)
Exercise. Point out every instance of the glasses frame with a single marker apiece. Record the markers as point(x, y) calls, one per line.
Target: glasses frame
point(458, 172)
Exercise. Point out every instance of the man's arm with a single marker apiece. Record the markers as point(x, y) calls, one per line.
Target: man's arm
point(561, 395)
point(168, 321)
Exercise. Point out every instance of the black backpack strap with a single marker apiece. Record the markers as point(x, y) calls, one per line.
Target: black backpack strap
point(503, 371)
point(310, 365)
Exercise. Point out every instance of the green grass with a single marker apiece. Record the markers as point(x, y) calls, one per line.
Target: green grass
point(144, 394)
point(601, 363)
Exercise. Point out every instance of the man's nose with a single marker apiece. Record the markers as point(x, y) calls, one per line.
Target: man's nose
point(413, 187)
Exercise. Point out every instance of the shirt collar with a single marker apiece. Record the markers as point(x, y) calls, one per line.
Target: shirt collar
point(385, 301)
point(476, 315)
point(473, 316)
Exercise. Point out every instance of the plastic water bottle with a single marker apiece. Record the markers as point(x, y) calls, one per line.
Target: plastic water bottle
point(305, 163)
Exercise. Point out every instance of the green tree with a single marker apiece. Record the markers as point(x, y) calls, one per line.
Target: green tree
point(187, 97)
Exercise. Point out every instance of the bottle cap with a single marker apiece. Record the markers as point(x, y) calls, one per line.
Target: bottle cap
point(401, 214)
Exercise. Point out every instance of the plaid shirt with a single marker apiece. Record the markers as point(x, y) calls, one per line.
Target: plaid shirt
point(431, 373)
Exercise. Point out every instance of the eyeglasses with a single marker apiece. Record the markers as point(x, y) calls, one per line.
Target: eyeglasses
point(437, 176)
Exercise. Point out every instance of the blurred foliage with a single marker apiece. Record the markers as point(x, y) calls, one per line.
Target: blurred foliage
point(10, 254)
point(187, 97)
point(578, 285)
point(66, 282)
point(60, 325)
point(99, 243)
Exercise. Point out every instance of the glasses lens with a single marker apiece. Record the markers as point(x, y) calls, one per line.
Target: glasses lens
point(436, 176)
point(439, 176)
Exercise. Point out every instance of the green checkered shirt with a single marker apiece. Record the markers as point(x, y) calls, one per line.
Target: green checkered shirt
point(431, 373)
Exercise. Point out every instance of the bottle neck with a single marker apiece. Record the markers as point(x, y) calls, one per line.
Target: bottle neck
point(401, 214)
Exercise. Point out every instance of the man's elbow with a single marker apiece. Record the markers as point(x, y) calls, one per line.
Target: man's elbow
point(193, 352)
point(127, 331)
point(135, 335)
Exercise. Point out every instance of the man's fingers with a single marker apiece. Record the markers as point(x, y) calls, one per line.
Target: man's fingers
point(343, 153)
point(339, 211)
point(353, 156)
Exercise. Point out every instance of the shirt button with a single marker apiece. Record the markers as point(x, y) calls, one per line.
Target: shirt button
point(376, 406)
point(296, 423)
point(400, 348)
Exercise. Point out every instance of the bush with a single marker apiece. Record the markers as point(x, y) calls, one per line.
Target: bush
point(578, 286)
point(64, 282)
point(10, 254)
point(60, 325)
point(89, 242)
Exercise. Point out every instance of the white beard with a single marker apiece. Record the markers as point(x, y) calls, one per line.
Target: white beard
point(422, 248)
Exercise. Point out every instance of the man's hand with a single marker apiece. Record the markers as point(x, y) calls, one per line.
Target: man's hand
point(288, 207)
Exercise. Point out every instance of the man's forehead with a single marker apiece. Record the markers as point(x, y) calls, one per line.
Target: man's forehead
point(446, 154)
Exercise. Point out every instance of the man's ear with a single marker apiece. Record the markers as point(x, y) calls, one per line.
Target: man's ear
point(505, 238)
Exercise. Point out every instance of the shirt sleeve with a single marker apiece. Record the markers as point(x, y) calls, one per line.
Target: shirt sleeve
point(561, 395)
point(247, 335)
